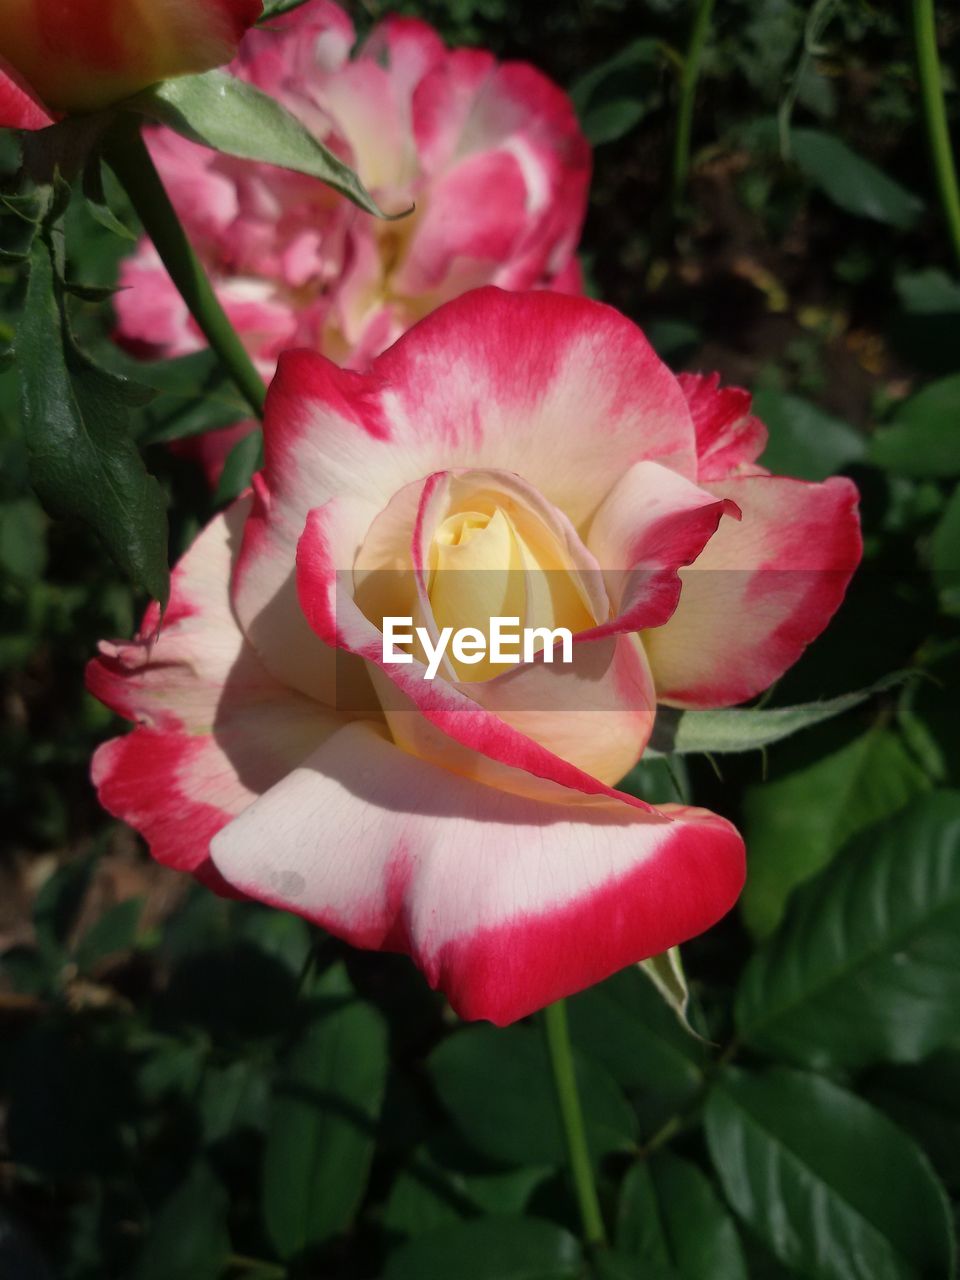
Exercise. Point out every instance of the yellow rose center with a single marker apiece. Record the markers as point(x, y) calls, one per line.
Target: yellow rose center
point(494, 559)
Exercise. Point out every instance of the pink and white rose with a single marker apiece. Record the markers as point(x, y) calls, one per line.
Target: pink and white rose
point(473, 821)
point(491, 154)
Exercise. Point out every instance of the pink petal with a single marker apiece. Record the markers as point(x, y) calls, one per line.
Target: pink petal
point(506, 902)
point(475, 217)
point(409, 48)
point(215, 730)
point(652, 524)
point(19, 108)
point(592, 400)
point(729, 439)
point(295, 47)
point(760, 592)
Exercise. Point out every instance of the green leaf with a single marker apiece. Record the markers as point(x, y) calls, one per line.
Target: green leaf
point(866, 966)
point(608, 121)
point(243, 460)
point(232, 1097)
point(945, 549)
point(852, 182)
point(794, 825)
point(611, 1264)
point(497, 1085)
point(832, 1186)
point(928, 292)
point(83, 462)
point(193, 395)
point(666, 973)
point(19, 227)
point(658, 779)
point(924, 437)
point(616, 95)
point(323, 1125)
point(736, 729)
point(659, 1200)
point(495, 1248)
point(188, 1238)
point(924, 1100)
point(428, 1194)
point(167, 1068)
point(805, 441)
point(629, 1028)
point(58, 903)
point(425, 1197)
point(231, 116)
point(114, 932)
point(23, 539)
point(278, 934)
point(276, 8)
point(96, 202)
point(673, 339)
point(929, 715)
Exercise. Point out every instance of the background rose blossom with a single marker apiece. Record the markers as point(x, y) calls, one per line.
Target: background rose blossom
point(473, 823)
point(491, 154)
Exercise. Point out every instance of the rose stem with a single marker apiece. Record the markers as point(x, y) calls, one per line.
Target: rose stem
point(130, 160)
point(571, 1116)
point(938, 133)
point(688, 92)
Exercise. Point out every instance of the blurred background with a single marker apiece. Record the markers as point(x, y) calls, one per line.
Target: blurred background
point(197, 1088)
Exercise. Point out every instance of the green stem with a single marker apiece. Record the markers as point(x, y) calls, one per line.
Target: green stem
point(938, 133)
point(130, 160)
point(571, 1115)
point(688, 93)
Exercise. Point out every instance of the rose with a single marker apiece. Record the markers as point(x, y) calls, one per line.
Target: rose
point(471, 821)
point(491, 153)
point(64, 56)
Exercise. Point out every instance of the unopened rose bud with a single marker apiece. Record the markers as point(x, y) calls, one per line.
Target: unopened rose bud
point(83, 55)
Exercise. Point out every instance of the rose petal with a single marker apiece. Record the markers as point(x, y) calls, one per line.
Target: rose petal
point(215, 729)
point(506, 903)
point(760, 592)
point(729, 438)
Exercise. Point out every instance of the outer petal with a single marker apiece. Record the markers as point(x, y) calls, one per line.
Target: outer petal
point(507, 903)
point(761, 591)
point(593, 399)
point(729, 438)
point(215, 730)
point(19, 109)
